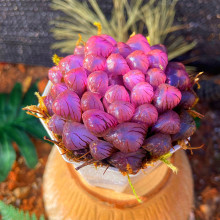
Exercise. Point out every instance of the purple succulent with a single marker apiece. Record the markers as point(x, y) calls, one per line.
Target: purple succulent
point(177, 76)
point(97, 82)
point(98, 45)
point(98, 122)
point(122, 110)
point(167, 123)
point(117, 65)
point(166, 97)
point(58, 88)
point(188, 100)
point(123, 49)
point(187, 126)
point(76, 80)
point(101, 149)
point(158, 144)
point(138, 60)
point(142, 93)
point(56, 124)
point(109, 39)
point(76, 136)
point(116, 80)
point(48, 101)
point(139, 42)
point(90, 100)
point(155, 77)
point(105, 103)
point(79, 50)
point(67, 105)
point(70, 62)
point(127, 136)
point(128, 162)
point(157, 59)
point(115, 93)
point(55, 75)
point(159, 47)
point(132, 78)
point(94, 62)
point(146, 114)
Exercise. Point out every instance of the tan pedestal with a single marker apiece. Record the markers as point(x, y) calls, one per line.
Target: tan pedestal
point(165, 195)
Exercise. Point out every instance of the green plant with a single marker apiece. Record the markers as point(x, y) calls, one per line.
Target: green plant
point(127, 17)
point(16, 126)
point(9, 212)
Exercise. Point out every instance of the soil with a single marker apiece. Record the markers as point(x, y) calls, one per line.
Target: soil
point(23, 187)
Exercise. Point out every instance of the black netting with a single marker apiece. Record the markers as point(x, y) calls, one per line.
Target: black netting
point(25, 36)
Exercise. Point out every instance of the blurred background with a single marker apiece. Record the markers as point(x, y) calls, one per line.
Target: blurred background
point(31, 31)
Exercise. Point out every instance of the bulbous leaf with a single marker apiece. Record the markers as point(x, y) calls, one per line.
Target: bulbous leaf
point(122, 110)
point(97, 45)
point(127, 137)
point(67, 105)
point(138, 60)
point(109, 39)
point(76, 136)
point(55, 75)
point(123, 49)
point(159, 47)
point(128, 162)
point(70, 62)
point(166, 97)
point(58, 88)
point(48, 101)
point(168, 123)
point(146, 114)
point(158, 144)
point(89, 101)
point(139, 42)
point(79, 50)
point(101, 149)
point(177, 76)
point(97, 82)
point(56, 124)
point(98, 122)
point(115, 93)
point(155, 77)
point(157, 59)
point(105, 103)
point(116, 80)
point(94, 62)
point(117, 65)
point(132, 78)
point(142, 93)
point(76, 80)
point(187, 126)
point(188, 100)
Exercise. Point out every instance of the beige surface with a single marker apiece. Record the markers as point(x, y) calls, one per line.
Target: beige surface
point(164, 194)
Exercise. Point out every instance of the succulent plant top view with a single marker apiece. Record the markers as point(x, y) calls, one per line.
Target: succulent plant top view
point(119, 104)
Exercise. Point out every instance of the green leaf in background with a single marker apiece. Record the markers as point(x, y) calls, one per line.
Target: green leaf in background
point(7, 156)
point(25, 145)
point(16, 125)
point(3, 100)
point(14, 101)
point(9, 212)
point(33, 127)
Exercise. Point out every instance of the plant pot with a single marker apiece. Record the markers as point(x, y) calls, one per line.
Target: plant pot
point(91, 194)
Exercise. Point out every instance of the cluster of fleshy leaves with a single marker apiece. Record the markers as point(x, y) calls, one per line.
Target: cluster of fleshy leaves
point(119, 104)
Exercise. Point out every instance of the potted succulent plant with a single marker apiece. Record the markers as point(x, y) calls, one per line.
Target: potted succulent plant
point(113, 109)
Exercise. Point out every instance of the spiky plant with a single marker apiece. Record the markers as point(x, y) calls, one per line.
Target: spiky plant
point(16, 126)
point(127, 17)
point(9, 212)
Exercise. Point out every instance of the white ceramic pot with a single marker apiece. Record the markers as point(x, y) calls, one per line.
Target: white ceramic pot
point(112, 179)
